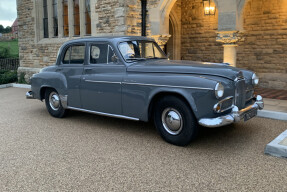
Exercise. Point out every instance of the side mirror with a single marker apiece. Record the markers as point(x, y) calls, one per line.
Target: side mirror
point(115, 58)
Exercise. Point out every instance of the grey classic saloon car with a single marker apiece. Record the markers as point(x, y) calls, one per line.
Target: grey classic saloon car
point(131, 78)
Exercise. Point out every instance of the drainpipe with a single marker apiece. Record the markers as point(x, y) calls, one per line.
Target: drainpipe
point(144, 11)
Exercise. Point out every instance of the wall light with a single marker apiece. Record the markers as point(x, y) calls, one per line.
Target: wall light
point(209, 7)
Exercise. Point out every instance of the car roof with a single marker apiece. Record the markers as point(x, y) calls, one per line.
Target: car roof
point(111, 39)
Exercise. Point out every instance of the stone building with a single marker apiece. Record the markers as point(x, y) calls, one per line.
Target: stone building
point(249, 34)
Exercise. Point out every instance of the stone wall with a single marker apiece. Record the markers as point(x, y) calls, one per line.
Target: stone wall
point(133, 16)
point(111, 16)
point(199, 33)
point(264, 48)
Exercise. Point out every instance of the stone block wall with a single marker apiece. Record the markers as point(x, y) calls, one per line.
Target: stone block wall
point(111, 16)
point(199, 33)
point(264, 48)
point(133, 16)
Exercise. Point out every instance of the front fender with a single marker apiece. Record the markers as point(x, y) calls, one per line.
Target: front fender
point(187, 95)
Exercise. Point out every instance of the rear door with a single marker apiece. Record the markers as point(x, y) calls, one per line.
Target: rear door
point(101, 85)
point(72, 64)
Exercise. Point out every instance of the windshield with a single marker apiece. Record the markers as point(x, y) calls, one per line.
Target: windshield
point(140, 50)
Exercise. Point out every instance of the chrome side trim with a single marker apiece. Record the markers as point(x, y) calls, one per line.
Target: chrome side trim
point(109, 82)
point(104, 114)
point(171, 86)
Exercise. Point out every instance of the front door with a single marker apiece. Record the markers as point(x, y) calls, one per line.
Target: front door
point(101, 84)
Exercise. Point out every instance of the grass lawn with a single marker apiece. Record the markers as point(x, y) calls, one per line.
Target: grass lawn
point(12, 45)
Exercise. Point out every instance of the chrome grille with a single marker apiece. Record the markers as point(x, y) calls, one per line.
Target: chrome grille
point(240, 94)
point(249, 95)
point(227, 104)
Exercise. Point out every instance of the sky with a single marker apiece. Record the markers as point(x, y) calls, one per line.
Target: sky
point(8, 12)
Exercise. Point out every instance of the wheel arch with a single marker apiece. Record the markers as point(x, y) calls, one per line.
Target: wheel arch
point(43, 90)
point(181, 95)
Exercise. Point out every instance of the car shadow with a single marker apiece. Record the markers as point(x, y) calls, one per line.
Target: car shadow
point(210, 138)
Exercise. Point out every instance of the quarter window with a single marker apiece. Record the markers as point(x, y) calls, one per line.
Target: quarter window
point(75, 54)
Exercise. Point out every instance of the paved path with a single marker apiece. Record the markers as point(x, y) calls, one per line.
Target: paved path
point(85, 152)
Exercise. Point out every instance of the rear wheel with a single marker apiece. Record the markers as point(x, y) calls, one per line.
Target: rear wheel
point(53, 103)
point(175, 121)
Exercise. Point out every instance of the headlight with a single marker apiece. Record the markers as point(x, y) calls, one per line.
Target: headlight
point(255, 79)
point(219, 90)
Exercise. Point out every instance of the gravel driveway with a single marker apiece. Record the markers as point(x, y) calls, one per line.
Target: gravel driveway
point(85, 152)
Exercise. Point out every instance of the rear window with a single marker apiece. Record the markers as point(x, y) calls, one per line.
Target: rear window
point(75, 54)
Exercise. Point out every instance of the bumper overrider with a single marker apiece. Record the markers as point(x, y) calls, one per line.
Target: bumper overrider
point(235, 116)
point(30, 95)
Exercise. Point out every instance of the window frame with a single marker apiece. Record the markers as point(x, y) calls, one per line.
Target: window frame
point(65, 49)
point(97, 64)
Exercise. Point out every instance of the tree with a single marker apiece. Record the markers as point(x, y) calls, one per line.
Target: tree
point(8, 29)
point(1, 29)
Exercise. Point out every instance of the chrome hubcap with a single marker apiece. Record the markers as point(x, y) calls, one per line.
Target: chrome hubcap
point(54, 101)
point(171, 121)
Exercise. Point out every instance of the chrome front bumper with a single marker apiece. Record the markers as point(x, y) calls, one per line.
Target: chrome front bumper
point(235, 116)
point(30, 95)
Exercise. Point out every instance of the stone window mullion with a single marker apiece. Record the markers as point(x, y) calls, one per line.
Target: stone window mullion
point(94, 17)
point(39, 24)
point(60, 19)
point(82, 18)
point(50, 18)
point(71, 18)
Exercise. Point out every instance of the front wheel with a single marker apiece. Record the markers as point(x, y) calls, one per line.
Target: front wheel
point(53, 103)
point(175, 121)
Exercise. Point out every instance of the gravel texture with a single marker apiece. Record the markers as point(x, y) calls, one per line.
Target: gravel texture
point(85, 152)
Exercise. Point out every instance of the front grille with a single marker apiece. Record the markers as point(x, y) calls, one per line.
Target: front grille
point(226, 104)
point(240, 94)
point(249, 95)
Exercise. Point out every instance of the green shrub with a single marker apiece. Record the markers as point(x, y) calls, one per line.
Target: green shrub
point(4, 52)
point(8, 77)
point(22, 79)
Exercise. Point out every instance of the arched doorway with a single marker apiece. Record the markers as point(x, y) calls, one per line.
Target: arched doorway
point(173, 46)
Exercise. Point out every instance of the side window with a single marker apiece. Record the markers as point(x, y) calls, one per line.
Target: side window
point(99, 54)
point(75, 54)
